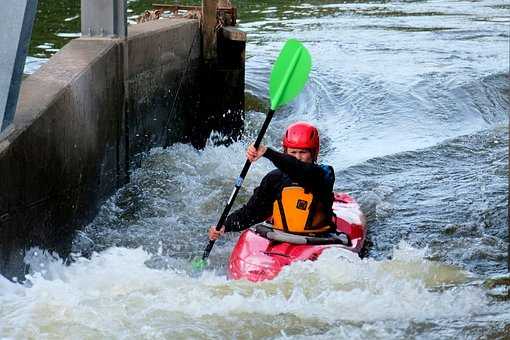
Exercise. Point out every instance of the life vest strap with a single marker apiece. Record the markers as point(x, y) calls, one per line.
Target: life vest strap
point(311, 214)
point(282, 215)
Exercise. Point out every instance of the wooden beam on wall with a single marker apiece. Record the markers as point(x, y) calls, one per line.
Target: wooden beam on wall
point(208, 29)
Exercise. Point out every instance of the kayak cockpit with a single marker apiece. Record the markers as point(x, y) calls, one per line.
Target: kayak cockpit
point(262, 251)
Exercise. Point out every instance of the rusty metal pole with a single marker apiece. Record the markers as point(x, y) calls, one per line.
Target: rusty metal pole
point(208, 30)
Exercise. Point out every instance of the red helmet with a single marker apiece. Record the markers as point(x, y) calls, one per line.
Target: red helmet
point(302, 135)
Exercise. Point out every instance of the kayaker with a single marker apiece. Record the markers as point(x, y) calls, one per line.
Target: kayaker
point(297, 196)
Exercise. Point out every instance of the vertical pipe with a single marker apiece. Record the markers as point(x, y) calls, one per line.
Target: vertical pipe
point(123, 133)
point(108, 18)
point(104, 18)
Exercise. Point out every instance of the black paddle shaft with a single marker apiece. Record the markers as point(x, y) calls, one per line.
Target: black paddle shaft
point(238, 184)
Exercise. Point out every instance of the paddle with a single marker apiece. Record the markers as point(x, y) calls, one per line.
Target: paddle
point(288, 77)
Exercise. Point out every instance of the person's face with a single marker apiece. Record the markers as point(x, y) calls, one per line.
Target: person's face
point(304, 155)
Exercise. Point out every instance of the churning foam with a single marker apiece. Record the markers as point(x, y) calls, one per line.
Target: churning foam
point(115, 294)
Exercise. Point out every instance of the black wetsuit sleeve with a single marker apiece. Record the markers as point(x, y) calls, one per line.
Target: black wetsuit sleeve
point(258, 208)
point(313, 177)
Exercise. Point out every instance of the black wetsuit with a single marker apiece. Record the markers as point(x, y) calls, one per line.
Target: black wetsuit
point(314, 178)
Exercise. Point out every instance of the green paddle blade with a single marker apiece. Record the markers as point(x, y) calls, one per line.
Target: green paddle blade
point(198, 264)
point(289, 73)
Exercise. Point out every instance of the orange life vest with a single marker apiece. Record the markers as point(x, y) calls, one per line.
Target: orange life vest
point(298, 212)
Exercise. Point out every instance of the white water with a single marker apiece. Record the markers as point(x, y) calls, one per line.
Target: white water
point(115, 295)
point(382, 83)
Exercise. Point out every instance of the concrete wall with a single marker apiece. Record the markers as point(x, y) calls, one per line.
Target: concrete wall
point(223, 102)
point(62, 152)
point(164, 87)
point(81, 121)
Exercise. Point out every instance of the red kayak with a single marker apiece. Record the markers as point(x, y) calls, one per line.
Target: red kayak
point(261, 251)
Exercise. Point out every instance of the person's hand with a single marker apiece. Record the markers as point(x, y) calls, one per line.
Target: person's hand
point(254, 154)
point(215, 234)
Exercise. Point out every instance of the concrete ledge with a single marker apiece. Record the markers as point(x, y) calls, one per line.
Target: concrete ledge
point(234, 34)
point(88, 113)
point(67, 150)
point(164, 88)
point(161, 42)
point(61, 155)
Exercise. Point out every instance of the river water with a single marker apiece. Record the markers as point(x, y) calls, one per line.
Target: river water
point(411, 99)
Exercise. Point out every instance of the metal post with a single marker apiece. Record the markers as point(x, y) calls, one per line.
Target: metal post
point(108, 19)
point(15, 32)
point(104, 18)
